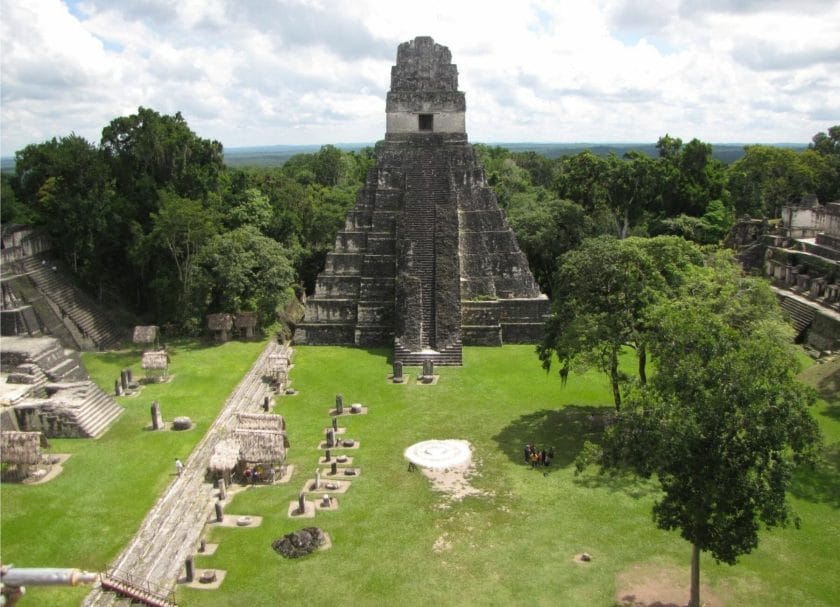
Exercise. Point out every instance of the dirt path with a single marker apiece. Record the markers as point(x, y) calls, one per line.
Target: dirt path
point(172, 528)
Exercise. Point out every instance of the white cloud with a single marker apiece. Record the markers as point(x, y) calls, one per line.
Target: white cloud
point(316, 71)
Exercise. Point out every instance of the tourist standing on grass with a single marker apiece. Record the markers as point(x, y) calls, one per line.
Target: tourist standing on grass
point(179, 467)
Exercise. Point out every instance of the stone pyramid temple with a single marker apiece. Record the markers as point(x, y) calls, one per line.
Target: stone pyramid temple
point(426, 261)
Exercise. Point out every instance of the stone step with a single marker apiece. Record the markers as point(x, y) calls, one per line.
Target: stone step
point(801, 314)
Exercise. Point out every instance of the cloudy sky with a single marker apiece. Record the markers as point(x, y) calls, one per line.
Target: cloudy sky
point(265, 72)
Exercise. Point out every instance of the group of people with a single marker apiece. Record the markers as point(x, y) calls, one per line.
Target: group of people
point(538, 457)
point(255, 474)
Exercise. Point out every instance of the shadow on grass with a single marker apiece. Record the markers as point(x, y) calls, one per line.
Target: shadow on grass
point(626, 483)
point(833, 412)
point(828, 386)
point(565, 429)
point(820, 483)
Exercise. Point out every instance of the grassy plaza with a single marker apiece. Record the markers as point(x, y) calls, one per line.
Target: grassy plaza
point(395, 540)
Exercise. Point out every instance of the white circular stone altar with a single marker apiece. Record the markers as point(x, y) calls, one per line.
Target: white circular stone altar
point(437, 454)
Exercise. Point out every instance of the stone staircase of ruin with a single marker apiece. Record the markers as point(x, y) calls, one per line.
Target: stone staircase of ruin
point(68, 313)
point(800, 314)
point(88, 415)
point(450, 356)
point(427, 184)
point(46, 321)
point(52, 370)
point(422, 186)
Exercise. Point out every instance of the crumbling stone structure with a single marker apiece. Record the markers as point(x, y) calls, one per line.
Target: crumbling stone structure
point(803, 262)
point(426, 260)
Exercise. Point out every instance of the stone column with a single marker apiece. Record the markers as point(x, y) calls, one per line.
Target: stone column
point(222, 489)
point(220, 515)
point(190, 570)
point(398, 372)
point(157, 419)
point(339, 404)
point(302, 503)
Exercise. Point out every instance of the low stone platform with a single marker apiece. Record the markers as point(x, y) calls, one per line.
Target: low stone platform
point(341, 473)
point(346, 462)
point(236, 520)
point(309, 510)
point(323, 445)
point(362, 411)
point(219, 575)
point(309, 487)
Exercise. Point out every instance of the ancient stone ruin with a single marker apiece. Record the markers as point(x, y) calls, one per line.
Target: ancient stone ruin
point(426, 260)
point(803, 262)
point(299, 543)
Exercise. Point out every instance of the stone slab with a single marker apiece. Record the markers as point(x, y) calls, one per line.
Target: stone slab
point(233, 520)
point(323, 445)
point(325, 473)
point(349, 462)
point(309, 487)
point(333, 412)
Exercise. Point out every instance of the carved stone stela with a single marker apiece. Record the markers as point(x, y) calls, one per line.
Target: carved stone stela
point(426, 260)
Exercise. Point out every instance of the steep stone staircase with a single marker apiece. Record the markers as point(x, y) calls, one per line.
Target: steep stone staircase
point(800, 313)
point(60, 400)
point(422, 185)
point(65, 311)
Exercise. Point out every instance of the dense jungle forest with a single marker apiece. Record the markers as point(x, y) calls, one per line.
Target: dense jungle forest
point(151, 219)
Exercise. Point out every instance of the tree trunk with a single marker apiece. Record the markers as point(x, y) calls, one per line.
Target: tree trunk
point(695, 576)
point(642, 364)
point(614, 380)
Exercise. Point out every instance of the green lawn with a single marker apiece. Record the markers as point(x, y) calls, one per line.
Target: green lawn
point(85, 516)
point(396, 541)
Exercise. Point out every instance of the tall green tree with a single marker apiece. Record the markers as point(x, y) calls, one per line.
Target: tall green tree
point(545, 230)
point(148, 151)
point(600, 292)
point(766, 178)
point(68, 189)
point(827, 146)
point(722, 422)
point(180, 228)
point(581, 178)
point(631, 189)
point(243, 270)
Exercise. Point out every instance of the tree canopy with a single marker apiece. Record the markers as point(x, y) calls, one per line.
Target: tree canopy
point(131, 214)
point(723, 421)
